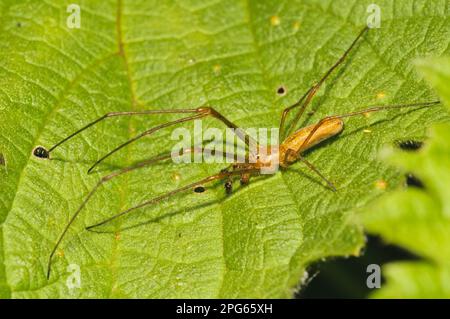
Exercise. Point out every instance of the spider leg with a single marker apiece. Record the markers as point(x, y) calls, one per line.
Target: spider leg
point(315, 170)
point(119, 114)
point(108, 178)
point(309, 95)
point(196, 114)
point(221, 175)
point(146, 133)
point(310, 166)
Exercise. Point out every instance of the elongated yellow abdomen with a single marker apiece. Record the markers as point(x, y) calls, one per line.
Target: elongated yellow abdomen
point(327, 129)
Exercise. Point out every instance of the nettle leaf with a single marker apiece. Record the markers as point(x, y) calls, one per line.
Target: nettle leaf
point(233, 55)
point(419, 219)
point(437, 71)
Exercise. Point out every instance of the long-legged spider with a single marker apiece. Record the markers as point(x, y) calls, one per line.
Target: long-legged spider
point(289, 151)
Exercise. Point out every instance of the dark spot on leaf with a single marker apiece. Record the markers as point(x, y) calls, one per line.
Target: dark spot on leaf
point(41, 152)
point(409, 145)
point(413, 181)
point(2, 160)
point(19, 24)
point(281, 90)
point(199, 189)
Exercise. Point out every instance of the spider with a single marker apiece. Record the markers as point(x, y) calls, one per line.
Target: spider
point(294, 144)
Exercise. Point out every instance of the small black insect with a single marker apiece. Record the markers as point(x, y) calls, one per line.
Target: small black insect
point(413, 181)
point(228, 187)
point(199, 189)
point(41, 152)
point(410, 145)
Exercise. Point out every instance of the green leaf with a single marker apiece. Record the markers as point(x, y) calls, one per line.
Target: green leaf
point(233, 55)
point(417, 219)
point(415, 280)
point(437, 71)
